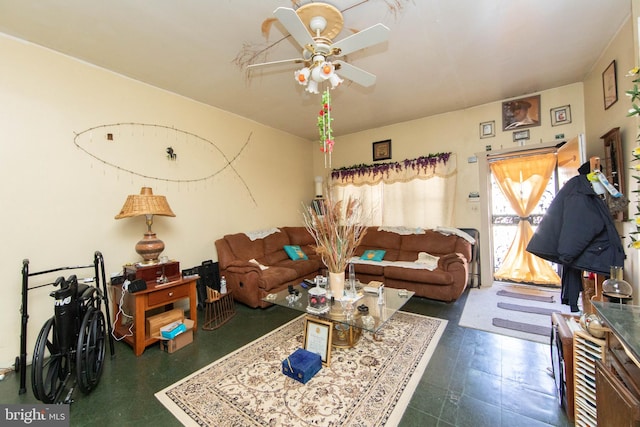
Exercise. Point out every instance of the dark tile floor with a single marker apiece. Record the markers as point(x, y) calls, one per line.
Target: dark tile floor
point(474, 378)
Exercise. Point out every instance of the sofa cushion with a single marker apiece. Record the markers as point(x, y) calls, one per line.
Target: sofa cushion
point(245, 248)
point(431, 242)
point(275, 276)
point(373, 254)
point(435, 277)
point(369, 269)
point(390, 254)
point(376, 239)
point(302, 268)
point(274, 258)
point(275, 242)
point(299, 236)
point(295, 252)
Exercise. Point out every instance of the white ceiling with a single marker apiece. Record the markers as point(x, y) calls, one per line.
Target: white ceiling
point(442, 55)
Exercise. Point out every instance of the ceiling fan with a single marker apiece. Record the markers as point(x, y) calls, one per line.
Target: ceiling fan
point(313, 26)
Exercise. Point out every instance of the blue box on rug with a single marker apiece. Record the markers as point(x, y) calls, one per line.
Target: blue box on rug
point(302, 365)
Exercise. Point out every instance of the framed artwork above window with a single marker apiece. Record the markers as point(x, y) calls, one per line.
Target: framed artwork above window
point(382, 150)
point(521, 113)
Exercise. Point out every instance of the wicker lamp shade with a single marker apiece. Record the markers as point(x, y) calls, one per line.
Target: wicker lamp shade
point(147, 204)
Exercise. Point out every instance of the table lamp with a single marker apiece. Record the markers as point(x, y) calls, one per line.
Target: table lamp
point(147, 204)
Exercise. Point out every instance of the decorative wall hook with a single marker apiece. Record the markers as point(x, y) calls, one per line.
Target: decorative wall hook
point(171, 155)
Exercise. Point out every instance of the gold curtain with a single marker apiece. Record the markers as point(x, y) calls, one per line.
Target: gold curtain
point(523, 181)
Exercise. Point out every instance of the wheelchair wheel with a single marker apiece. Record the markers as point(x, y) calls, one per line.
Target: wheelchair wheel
point(90, 350)
point(48, 375)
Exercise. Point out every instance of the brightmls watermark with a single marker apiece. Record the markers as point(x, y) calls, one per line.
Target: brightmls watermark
point(34, 415)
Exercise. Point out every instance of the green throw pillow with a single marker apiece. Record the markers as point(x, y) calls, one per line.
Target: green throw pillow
point(294, 252)
point(373, 255)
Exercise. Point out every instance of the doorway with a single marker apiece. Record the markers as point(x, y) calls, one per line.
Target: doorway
point(501, 220)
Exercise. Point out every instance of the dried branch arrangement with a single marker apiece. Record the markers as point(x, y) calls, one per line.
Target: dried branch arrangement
point(337, 229)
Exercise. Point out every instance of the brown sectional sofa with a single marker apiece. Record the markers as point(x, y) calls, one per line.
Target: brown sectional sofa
point(445, 283)
point(250, 283)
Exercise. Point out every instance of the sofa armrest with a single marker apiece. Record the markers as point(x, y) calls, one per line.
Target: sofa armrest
point(451, 261)
point(242, 267)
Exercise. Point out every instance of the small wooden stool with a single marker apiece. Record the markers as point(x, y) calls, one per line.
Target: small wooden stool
point(219, 308)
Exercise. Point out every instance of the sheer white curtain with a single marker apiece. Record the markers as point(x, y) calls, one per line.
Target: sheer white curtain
point(406, 196)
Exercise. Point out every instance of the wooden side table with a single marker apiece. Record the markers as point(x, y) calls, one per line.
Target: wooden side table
point(562, 359)
point(219, 308)
point(158, 295)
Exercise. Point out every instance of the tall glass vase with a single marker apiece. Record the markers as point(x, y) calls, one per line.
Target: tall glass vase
point(336, 284)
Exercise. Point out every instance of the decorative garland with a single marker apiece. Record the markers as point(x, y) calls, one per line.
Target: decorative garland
point(422, 162)
point(324, 126)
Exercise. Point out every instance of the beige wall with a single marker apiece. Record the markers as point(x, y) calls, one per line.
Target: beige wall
point(59, 203)
point(599, 121)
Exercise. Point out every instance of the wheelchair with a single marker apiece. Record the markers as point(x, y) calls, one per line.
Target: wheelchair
point(71, 343)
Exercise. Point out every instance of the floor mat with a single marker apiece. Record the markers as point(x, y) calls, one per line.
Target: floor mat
point(522, 327)
point(482, 306)
point(530, 297)
point(527, 308)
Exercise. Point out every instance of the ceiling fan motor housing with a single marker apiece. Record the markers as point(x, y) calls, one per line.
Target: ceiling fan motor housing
point(317, 24)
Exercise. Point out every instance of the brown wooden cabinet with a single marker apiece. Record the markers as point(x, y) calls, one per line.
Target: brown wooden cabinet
point(617, 386)
point(617, 406)
point(562, 359)
point(155, 296)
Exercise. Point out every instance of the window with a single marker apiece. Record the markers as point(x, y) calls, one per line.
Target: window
point(409, 196)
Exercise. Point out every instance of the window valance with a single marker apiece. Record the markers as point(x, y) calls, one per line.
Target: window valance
point(425, 167)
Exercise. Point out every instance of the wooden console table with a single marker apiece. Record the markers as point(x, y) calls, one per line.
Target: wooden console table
point(158, 295)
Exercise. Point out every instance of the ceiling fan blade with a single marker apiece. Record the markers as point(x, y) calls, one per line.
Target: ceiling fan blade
point(368, 37)
point(292, 23)
point(282, 61)
point(355, 74)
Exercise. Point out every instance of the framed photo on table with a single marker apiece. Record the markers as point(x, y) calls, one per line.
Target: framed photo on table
point(382, 150)
point(318, 334)
point(610, 85)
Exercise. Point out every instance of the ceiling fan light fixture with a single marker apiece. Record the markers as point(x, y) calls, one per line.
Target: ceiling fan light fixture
point(302, 76)
point(335, 80)
point(318, 73)
point(312, 87)
point(327, 69)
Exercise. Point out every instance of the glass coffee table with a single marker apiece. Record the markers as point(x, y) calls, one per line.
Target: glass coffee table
point(349, 316)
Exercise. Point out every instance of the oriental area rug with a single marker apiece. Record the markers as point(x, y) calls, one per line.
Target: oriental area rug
point(520, 311)
point(367, 385)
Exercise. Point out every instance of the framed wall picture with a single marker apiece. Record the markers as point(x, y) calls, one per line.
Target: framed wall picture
point(521, 135)
point(613, 169)
point(521, 113)
point(561, 115)
point(382, 150)
point(317, 337)
point(610, 85)
point(488, 129)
